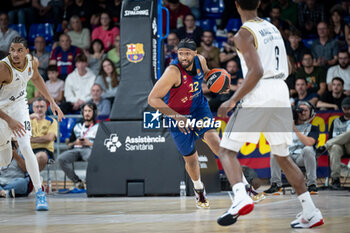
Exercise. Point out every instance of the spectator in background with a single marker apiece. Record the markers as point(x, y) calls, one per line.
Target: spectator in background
point(339, 30)
point(177, 13)
point(324, 49)
point(281, 25)
point(228, 51)
point(95, 55)
point(338, 143)
point(295, 47)
point(114, 8)
point(195, 7)
point(14, 180)
point(303, 93)
point(315, 76)
point(78, 85)
point(233, 69)
point(106, 32)
point(210, 52)
point(342, 70)
point(289, 11)
point(108, 79)
point(103, 105)
point(42, 55)
point(64, 56)
point(83, 9)
point(79, 36)
point(80, 143)
point(44, 133)
point(6, 33)
point(22, 13)
point(290, 80)
point(114, 54)
point(333, 99)
point(170, 50)
point(310, 14)
point(48, 10)
point(54, 85)
point(190, 30)
point(95, 21)
point(347, 45)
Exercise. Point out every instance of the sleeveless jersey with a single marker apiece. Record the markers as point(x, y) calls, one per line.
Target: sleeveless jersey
point(15, 91)
point(187, 97)
point(270, 47)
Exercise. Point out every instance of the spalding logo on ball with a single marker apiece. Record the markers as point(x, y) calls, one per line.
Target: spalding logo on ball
point(218, 80)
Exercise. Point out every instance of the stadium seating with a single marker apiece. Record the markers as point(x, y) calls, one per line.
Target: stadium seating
point(207, 24)
point(213, 8)
point(20, 28)
point(44, 29)
point(233, 24)
point(66, 127)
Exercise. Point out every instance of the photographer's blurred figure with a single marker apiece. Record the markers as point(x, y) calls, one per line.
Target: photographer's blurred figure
point(302, 151)
point(80, 143)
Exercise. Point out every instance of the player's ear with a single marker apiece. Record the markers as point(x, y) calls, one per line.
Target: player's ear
point(237, 5)
point(27, 50)
point(258, 4)
point(195, 52)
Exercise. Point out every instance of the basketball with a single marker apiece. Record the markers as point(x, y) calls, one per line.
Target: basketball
point(218, 80)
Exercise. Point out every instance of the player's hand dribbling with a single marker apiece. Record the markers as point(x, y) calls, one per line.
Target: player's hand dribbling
point(57, 111)
point(225, 107)
point(16, 127)
point(186, 128)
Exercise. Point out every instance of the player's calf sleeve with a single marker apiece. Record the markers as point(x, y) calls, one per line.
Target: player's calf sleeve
point(30, 161)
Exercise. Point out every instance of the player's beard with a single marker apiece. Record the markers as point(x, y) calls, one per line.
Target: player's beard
point(189, 63)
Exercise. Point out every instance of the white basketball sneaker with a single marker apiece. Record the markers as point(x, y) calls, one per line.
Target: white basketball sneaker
point(302, 222)
point(240, 206)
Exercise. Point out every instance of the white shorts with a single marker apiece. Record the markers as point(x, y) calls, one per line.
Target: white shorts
point(20, 112)
point(266, 109)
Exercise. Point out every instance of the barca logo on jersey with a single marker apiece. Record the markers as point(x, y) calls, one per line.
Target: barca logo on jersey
point(135, 52)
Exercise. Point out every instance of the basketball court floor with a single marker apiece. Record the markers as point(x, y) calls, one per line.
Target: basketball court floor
point(77, 213)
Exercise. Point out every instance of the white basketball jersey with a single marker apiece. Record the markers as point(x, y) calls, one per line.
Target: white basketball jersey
point(270, 47)
point(15, 91)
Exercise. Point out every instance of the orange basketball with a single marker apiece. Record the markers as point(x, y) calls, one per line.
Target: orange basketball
point(218, 80)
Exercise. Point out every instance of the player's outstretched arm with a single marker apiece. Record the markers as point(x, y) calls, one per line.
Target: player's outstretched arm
point(244, 42)
point(40, 84)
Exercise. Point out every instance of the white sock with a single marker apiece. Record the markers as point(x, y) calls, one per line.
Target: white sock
point(244, 180)
point(307, 204)
point(30, 161)
point(239, 190)
point(198, 184)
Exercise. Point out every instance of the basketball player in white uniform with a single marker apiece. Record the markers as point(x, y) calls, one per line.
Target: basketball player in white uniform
point(15, 71)
point(265, 108)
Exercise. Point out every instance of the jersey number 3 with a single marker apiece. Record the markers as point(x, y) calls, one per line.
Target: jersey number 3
point(277, 53)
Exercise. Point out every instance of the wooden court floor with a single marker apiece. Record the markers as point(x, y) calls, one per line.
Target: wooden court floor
point(77, 213)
